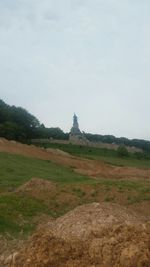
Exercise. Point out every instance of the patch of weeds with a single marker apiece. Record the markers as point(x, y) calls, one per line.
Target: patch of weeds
point(94, 193)
point(63, 191)
point(145, 190)
point(78, 192)
point(61, 210)
point(146, 198)
point(109, 199)
point(120, 189)
point(56, 205)
point(133, 199)
point(107, 188)
point(16, 213)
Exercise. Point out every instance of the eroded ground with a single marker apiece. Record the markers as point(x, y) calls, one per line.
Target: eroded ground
point(113, 231)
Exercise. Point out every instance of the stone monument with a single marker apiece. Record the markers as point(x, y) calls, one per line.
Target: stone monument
point(76, 136)
point(75, 128)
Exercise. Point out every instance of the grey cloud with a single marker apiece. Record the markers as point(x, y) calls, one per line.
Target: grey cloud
point(92, 57)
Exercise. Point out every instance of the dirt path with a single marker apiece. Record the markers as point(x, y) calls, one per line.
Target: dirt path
point(93, 168)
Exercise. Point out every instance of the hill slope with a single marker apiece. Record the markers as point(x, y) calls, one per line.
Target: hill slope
point(39, 186)
point(93, 168)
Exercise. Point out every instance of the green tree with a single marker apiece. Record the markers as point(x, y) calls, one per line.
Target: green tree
point(17, 123)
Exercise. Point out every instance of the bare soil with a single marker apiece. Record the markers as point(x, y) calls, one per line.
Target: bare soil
point(92, 235)
point(37, 188)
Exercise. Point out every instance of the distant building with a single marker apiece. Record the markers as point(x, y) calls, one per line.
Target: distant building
point(76, 136)
point(75, 128)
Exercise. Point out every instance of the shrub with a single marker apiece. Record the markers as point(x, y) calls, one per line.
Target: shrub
point(122, 151)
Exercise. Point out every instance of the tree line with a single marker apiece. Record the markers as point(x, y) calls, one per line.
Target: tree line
point(110, 139)
point(18, 124)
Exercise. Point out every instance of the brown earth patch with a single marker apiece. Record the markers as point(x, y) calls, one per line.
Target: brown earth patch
point(8, 245)
point(94, 235)
point(54, 195)
point(37, 184)
point(84, 219)
point(62, 198)
point(142, 208)
point(37, 188)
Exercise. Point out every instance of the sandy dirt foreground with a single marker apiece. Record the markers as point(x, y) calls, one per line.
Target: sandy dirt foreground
point(92, 235)
point(93, 168)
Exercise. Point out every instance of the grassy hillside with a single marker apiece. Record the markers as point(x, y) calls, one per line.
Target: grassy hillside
point(21, 212)
point(107, 155)
point(18, 211)
point(16, 170)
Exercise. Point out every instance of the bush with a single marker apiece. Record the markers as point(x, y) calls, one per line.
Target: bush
point(139, 155)
point(122, 151)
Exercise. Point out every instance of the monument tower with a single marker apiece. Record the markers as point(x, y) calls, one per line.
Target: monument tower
point(76, 136)
point(75, 128)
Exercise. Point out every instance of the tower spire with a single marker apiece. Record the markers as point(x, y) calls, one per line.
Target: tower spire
point(75, 128)
point(76, 136)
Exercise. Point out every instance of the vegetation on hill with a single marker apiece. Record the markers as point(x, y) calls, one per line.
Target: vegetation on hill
point(110, 156)
point(18, 124)
point(110, 139)
point(18, 210)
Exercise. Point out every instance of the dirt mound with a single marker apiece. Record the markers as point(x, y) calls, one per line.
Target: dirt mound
point(36, 184)
point(118, 246)
point(85, 219)
point(92, 235)
point(8, 245)
point(36, 187)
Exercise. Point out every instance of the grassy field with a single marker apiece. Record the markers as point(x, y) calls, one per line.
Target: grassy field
point(107, 155)
point(19, 213)
point(16, 170)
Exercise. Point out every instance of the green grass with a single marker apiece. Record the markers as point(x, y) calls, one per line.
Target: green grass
point(107, 155)
point(78, 192)
point(125, 184)
point(18, 211)
point(137, 191)
point(16, 170)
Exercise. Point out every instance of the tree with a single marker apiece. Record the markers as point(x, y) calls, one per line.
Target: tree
point(17, 123)
point(12, 131)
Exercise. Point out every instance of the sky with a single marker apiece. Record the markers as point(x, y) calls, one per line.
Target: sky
point(91, 57)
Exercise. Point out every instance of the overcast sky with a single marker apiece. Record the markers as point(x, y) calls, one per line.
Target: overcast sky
point(91, 57)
